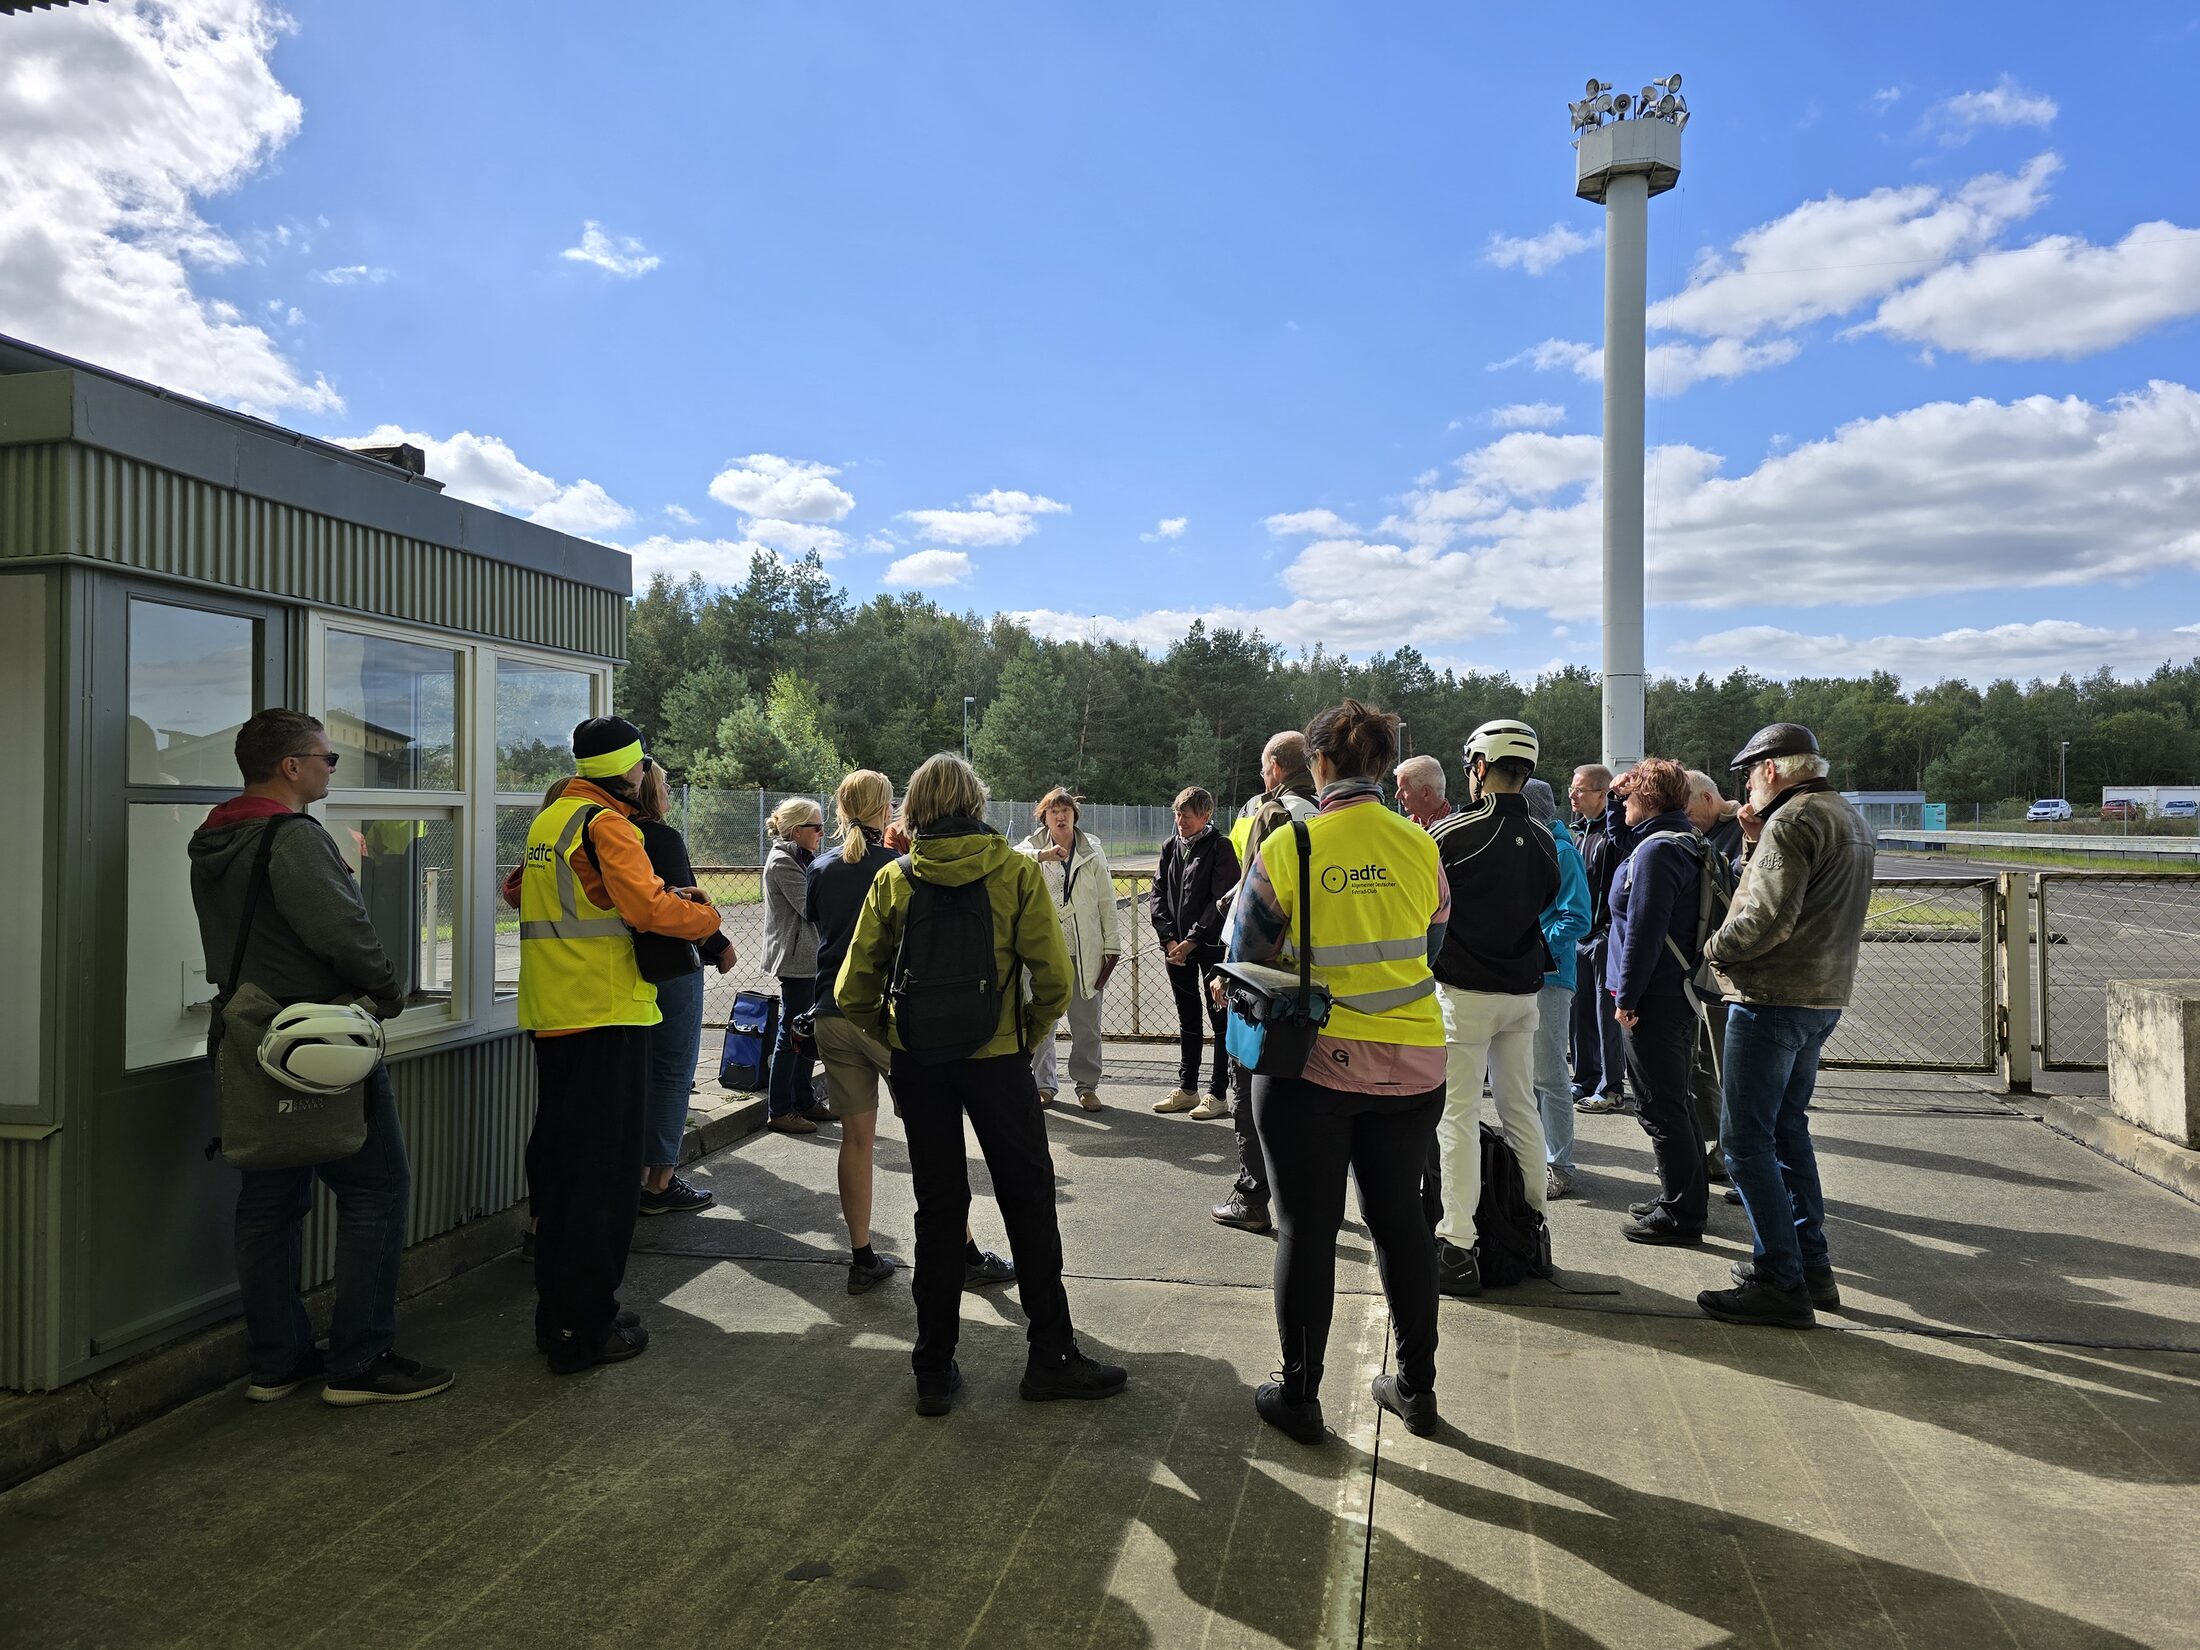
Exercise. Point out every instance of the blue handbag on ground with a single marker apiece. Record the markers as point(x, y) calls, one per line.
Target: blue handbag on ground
point(1274, 1016)
point(751, 1030)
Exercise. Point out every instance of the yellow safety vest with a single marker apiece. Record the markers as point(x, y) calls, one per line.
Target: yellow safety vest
point(1241, 831)
point(1375, 880)
point(576, 958)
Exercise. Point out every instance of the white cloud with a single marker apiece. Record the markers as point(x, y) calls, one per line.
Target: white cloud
point(679, 513)
point(483, 469)
point(1293, 524)
point(798, 538)
point(2061, 297)
point(353, 275)
point(1529, 415)
point(1886, 97)
point(781, 489)
point(2047, 648)
point(1168, 527)
point(1538, 254)
point(719, 561)
point(115, 120)
point(2007, 104)
point(928, 569)
point(621, 255)
point(1668, 368)
point(881, 543)
point(992, 518)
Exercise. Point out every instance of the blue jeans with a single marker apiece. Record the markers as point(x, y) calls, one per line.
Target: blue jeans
point(373, 1189)
point(1554, 1007)
point(1770, 1069)
point(791, 1090)
point(674, 1046)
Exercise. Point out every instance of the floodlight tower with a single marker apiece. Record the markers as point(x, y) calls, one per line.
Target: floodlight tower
point(1629, 149)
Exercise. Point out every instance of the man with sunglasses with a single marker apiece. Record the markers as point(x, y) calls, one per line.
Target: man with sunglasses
point(311, 941)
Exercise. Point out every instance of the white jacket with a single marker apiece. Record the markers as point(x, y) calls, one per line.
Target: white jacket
point(1087, 913)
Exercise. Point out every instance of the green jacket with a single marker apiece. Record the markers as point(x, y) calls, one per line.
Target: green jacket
point(955, 852)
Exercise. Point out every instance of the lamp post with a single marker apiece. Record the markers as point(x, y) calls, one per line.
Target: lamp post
point(2062, 776)
point(1628, 149)
point(968, 701)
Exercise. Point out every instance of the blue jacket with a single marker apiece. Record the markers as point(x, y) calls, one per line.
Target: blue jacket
point(1653, 895)
point(1566, 918)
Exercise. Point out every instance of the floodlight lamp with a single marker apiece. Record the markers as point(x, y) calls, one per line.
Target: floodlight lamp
point(1621, 104)
point(1592, 88)
point(1680, 120)
point(1673, 84)
point(1604, 103)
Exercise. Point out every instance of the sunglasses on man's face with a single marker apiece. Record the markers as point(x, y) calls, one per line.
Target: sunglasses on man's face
point(330, 757)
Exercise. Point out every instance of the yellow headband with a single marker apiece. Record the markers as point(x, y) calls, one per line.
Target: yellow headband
point(611, 762)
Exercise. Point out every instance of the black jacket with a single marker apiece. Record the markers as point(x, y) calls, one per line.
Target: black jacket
point(1599, 860)
point(1503, 870)
point(1188, 889)
point(832, 900)
point(668, 857)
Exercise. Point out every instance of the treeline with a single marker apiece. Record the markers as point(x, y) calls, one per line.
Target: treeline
point(782, 683)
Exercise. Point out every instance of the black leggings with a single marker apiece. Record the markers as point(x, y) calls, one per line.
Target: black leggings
point(1660, 1050)
point(1188, 985)
point(1312, 1134)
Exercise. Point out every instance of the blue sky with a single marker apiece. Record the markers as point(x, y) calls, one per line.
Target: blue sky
point(1119, 316)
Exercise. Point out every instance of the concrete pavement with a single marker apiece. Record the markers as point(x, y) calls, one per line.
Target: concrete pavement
point(1997, 1442)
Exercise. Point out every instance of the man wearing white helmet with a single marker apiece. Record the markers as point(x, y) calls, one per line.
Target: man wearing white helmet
point(310, 943)
point(1503, 868)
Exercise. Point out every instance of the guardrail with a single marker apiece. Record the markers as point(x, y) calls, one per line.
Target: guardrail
point(2176, 849)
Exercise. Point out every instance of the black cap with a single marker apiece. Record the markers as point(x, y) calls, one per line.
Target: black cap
point(1778, 739)
point(604, 746)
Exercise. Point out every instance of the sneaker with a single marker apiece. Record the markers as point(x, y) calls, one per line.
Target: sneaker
point(987, 1270)
point(1818, 1282)
point(1046, 1097)
point(544, 1340)
point(1243, 1213)
point(1661, 1229)
point(936, 1390)
point(1602, 1103)
point(1177, 1100)
point(1417, 1410)
point(1458, 1272)
point(677, 1198)
point(1069, 1375)
point(1732, 1196)
point(1210, 1107)
point(820, 1113)
point(1301, 1421)
point(1090, 1099)
point(861, 1277)
point(1557, 1183)
point(1759, 1303)
point(527, 1246)
point(1714, 1167)
point(791, 1122)
point(310, 1368)
point(390, 1379)
point(569, 1355)
point(1644, 1209)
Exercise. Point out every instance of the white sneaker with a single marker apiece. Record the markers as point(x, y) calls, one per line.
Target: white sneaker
point(1178, 1100)
point(1209, 1108)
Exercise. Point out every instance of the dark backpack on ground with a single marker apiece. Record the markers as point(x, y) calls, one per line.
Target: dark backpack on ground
point(944, 995)
point(751, 1030)
point(1512, 1243)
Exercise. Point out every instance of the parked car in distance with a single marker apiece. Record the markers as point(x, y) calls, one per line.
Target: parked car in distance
point(2048, 807)
point(2120, 808)
point(2183, 807)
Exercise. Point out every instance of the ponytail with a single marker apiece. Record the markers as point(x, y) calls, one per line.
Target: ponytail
point(863, 795)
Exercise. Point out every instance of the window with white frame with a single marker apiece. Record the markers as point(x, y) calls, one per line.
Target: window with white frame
point(537, 705)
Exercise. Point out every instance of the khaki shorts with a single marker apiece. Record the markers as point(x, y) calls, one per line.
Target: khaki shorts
point(855, 1065)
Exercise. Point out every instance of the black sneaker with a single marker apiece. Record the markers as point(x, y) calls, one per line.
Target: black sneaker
point(1069, 1374)
point(309, 1368)
point(677, 1198)
point(987, 1270)
point(390, 1379)
point(1458, 1272)
point(527, 1246)
point(1644, 1209)
point(544, 1340)
point(1825, 1294)
point(1714, 1167)
point(1244, 1214)
point(1661, 1229)
point(936, 1391)
point(569, 1355)
point(1418, 1411)
point(1300, 1421)
point(1760, 1303)
point(862, 1277)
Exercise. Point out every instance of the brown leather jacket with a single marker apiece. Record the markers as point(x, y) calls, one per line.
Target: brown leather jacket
point(1797, 921)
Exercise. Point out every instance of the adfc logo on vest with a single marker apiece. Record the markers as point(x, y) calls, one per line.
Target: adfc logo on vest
point(1363, 879)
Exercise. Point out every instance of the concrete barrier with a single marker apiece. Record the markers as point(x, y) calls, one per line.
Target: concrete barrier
point(2175, 851)
point(2154, 1056)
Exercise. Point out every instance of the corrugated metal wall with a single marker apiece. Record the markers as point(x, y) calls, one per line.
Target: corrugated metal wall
point(133, 515)
point(30, 1193)
point(466, 1112)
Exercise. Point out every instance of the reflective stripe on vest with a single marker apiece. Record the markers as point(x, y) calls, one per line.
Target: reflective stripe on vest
point(1375, 882)
point(576, 958)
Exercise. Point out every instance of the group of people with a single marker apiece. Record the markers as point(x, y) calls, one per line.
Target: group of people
point(927, 958)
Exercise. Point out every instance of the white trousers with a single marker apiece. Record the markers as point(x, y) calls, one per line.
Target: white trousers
point(1084, 1047)
point(1493, 1033)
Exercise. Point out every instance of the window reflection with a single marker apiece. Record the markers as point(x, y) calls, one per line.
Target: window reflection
point(408, 879)
point(392, 713)
point(191, 681)
point(538, 707)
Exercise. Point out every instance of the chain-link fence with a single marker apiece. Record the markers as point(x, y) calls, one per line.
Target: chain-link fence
point(1924, 997)
point(2097, 926)
point(729, 827)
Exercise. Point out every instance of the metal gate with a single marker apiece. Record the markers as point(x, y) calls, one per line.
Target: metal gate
point(2095, 926)
point(1924, 997)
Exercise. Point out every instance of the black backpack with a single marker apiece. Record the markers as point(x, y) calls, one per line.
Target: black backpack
point(1512, 1243)
point(944, 995)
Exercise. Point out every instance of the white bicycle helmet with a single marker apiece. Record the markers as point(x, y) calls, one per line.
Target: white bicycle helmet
point(321, 1048)
point(1494, 741)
